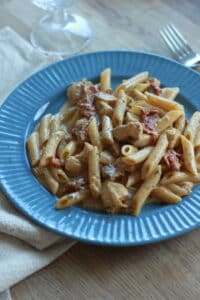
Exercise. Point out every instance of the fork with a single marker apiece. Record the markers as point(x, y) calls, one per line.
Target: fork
point(179, 46)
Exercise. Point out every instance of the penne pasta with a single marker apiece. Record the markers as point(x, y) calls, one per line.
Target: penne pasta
point(119, 109)
point(170, 93)
point(59, 175)
point(138, 95)
point(173, 136)
point(49, 149)
point(33, 149)
point(142, 86)
point(192, 126)
point(145, 190)
point(60, 148)
point(71, 199)
point(46, 178)
point(93, 133)
point(69, 149)
point(105, 79)
point(178, 177)
point(44, 129)
point(55, 123)
point(179, 190)
point(106, 134)
point(136, 109)
point(165, 195)
point(187, 185)
point(67, 115)
point(179, 124)
point(143, 141)
point(131, 118)
point(104, 108)
point(131, 82)
point(138, 157)
point(167, 120)
point(127, 150)
point(94, 172)
point(71, 123)
point(105, 97)
point(162, 103)
point(133, 179)
point(188, 156)
point(155, 156)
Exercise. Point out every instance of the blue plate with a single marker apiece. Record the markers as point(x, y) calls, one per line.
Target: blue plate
point(44, 92)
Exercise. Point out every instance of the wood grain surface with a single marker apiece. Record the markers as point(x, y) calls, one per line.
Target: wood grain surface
point(169, 270)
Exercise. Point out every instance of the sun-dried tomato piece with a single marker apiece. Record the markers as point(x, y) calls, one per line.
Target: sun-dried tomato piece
point(172, 160)
point(110, 172)
point(76, 184)
point(155, 89)
point(149, 120)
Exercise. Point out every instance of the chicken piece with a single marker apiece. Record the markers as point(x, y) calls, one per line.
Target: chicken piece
point(80, 130)
point(73, 166)
point(149, 120)
point(114, 196)
point(74, 92)
point(106, 158)
point(123, 166)
point(130, 130)
point(172, 160)
point(110, 172)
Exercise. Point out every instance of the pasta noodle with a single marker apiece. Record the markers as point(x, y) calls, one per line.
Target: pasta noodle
point(105, 79)
point(33, 149)
point(44, 130)
point(49, 150)
point(162, 103)
point(145, 190)
point(188, 156)
point(94, 172)
point(192, 126)
point(106, 135)
point(165, 195)
point(93, 133)
point(155, 156)
point(119, 110)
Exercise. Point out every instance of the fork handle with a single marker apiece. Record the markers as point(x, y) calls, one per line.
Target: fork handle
point(196, 66)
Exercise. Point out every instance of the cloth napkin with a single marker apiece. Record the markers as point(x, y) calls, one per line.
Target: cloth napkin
point(24, 246)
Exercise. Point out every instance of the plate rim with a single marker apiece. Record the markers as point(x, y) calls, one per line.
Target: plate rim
point(48, 225)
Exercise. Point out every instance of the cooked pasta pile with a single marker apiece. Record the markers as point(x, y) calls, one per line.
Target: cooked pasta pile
point(117, 150)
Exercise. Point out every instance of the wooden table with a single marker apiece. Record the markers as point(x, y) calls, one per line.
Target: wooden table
point(169, 270)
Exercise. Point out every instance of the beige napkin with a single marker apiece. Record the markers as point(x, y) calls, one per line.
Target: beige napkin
point(24, 246)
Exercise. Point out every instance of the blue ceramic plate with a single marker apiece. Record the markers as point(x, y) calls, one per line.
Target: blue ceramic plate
point(44, 92)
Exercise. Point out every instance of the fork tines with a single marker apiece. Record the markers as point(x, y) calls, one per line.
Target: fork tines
point(175, 41)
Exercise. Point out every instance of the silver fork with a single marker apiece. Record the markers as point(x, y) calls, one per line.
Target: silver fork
point(179, 46)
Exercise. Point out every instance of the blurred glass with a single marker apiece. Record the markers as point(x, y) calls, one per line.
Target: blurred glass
point(53, 4)
point(59, 32)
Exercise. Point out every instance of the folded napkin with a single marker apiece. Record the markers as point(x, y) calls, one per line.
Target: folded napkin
point(24, 246)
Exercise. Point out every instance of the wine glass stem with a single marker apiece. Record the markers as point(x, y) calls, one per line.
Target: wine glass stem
point(60, 16)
